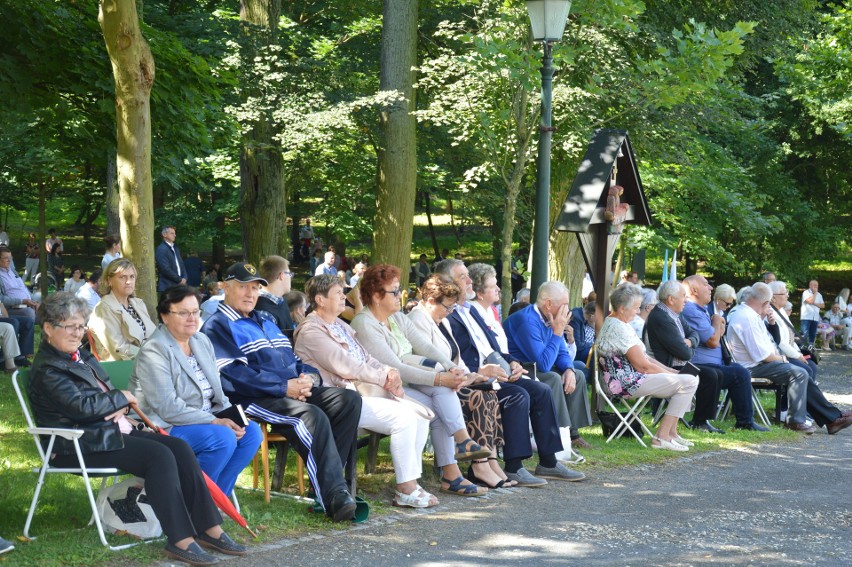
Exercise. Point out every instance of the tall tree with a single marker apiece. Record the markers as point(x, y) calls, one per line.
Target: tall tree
point(397, 154)
point(133, 69)
point(263, 201)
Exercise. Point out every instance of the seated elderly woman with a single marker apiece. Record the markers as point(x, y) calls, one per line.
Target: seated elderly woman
point(723, 299)
point(484, 281)
point(120, 321)
point(68, 388)
point(177, 383)
point(431, 378)
point(480, 408)
point(783, 332)
point(328, 344)
point(629, 372)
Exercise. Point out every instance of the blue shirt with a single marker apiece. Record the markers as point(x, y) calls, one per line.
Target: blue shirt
point(699, 319)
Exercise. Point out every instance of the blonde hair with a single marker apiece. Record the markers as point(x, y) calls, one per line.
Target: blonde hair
point(115, 267)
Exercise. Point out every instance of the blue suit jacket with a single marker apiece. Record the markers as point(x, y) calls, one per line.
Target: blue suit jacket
point(531, 340)
point(165, 261)
point(467, 348)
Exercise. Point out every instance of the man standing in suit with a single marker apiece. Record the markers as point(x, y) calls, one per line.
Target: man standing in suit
point(170, 266)
point(521, 400)
point(535, 334)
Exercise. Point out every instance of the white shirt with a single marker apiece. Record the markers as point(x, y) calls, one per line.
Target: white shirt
point(88, 293)
point(748, 337)
point(493, 324)
point(810, 312)
point(481, 341)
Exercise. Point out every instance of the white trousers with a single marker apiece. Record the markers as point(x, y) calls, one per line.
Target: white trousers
point(9, 342)
point(678, 387)
point(407, 431)
point(448, 418)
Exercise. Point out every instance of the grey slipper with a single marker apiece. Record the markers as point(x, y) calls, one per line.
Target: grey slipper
point(524, 478)
point(559, 472)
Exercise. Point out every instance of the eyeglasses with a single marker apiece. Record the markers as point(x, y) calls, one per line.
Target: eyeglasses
point(395, 292)
point(71, 329)
point(450, 308)
point(291, 274)
point(729, 304)
point(186, 314)
point(785, 293)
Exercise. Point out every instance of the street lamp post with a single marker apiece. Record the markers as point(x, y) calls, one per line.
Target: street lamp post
point(547, 18)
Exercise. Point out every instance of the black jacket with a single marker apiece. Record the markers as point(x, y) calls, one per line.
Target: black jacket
point(66, 394)
point(664, 340)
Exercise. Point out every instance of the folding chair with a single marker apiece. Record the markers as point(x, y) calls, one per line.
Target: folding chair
point(757, 384)
point(20, 380)
point(632, 406)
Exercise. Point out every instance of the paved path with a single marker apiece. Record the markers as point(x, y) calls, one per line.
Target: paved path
point(767, 505)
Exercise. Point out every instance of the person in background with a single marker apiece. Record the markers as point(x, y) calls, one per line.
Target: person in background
point(76, 281)
point(171, 270)
point(216, 294)
point(194, 269)
point(89, 290)
point(271, 303)
point(297, 303)
point(33, 253)
point(723, 299)
point(13, 293)
point(649, 301)
point(113, 250)
point(583, 322)
point(327, 267)
point(812, 302)
point(357, 273)
point(55, 248)
point(422, 270)
point(838, 321)
point(120, 322)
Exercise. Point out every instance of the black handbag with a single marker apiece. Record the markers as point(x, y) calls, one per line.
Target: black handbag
point(609, 422)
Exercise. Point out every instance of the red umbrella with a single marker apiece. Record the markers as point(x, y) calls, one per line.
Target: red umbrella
point(222, 501)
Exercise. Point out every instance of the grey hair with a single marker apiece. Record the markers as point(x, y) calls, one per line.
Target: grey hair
point(446, 266)
point(759, 292)
point(624, 295)
point(724, 292)
point(60, 307)
point(522, 293)
point(551, 290)
point(648, 298)
point(320, 285)
point(741, 293)
point(777, 287)
point(166, 228)
point(478, 273)
point(667, 289)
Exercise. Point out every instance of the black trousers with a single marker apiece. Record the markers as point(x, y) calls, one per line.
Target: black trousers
point(523, 402)
point(322, 430)
point(174, 483)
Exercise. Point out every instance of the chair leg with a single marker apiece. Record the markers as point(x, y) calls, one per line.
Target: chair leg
point(264, 459)
point(300, 474)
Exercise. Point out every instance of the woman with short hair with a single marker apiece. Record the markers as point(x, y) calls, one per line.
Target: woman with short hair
point(69, 389)
point(178, 386)
point(629, 372)
point(120, 321)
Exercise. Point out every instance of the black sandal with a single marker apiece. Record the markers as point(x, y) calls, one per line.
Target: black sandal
point(471, 476)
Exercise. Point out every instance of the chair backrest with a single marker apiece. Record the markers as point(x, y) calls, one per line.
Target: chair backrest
point(20, 382)
point(119, 372)
point(90, 338)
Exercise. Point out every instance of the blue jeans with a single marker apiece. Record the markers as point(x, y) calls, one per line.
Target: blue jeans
point(809, 330)
point(221, 455)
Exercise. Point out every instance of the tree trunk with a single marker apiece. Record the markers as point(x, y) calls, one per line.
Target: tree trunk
point(566, 262)
point(427, 201)
point(113, 227)
point(394, 222)
point(42, 236)
point(133, 68)
point(263, 200)
point(513, 189)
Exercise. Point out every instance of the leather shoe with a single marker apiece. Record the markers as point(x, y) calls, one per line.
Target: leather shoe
point(222, 544)
point(580, 443)
point(341, 507)
point(707, 426)
point(800, 427)
point(841, 422)
point(846, 413)
point(22, 362)
point(750, 427)
point(193, 555)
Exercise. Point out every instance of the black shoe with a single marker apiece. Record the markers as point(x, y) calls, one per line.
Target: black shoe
point(193, 555)
point(341, 507)
point(750, 427)
point(224, 544)
point(22, 362)
point(708, 427)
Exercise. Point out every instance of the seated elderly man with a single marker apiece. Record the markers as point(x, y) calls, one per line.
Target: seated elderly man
point(535, 334)
point(673, 341)
point(13, 292)
point(259, 371)
point(522, 401)
point(837, 319)
point(708, 351)
point(753, 347)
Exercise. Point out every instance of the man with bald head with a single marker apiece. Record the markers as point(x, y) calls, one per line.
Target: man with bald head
point(708, 352)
